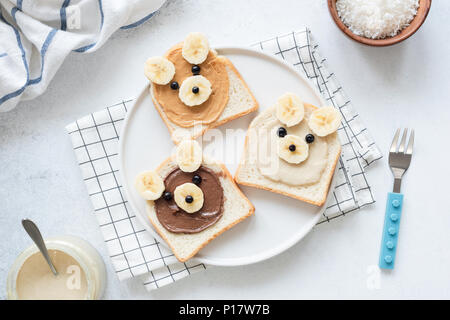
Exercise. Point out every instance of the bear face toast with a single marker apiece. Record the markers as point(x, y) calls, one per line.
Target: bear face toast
point(194, 89)
point(191, 199)
point(292, 148)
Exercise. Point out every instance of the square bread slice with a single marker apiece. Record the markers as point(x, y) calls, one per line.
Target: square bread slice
point(241, 102)
point(248, 173)
point(236, 208)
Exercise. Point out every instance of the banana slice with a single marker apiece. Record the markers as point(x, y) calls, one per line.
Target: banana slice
point(324, 121)
point(195, 90)
point(290, 109)
point(188, 155)
point(189, 197)
point(159, 70)
point(149, 185)
point(195, 48)
point(292, 149)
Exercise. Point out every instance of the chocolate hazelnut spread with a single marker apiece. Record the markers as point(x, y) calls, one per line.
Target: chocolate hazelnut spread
point(176, 219)
point(213, 69)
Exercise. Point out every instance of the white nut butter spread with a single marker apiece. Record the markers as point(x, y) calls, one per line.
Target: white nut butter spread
point(35, 281)
point(272, 166)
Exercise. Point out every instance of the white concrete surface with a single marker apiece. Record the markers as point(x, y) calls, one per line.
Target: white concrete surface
point(404, 85)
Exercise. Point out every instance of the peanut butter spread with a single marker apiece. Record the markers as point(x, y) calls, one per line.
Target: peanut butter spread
point(214, 69)
point(175, 219)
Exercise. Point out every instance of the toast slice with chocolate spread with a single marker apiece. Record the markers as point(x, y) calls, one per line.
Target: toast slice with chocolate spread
point(186, 234)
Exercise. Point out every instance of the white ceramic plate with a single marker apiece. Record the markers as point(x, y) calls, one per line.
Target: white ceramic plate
point(279, 222)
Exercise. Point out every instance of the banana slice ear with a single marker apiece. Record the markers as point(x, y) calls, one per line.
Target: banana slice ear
point(149, 185)
point(188, 155)
point(324, 121)
point(290, 109)
point(195, 48)
point(159, 70)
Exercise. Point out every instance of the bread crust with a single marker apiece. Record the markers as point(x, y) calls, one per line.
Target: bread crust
point(219, 232)
point(216, 123)
point(317, 203)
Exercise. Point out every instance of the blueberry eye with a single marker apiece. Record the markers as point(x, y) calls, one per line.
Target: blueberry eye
point(281, 132)
point(167, 196)
point(174, 85)
point(309, 138)
point(197, 179)
point(195, 90)
point(195, 70)
point(189, 199)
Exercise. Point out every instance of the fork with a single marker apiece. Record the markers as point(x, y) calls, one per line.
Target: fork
point(399, 160)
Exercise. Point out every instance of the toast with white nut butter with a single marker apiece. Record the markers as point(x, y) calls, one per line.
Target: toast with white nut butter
point(292, 148)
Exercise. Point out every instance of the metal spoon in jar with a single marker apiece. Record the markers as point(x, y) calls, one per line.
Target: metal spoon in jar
point(36, 236)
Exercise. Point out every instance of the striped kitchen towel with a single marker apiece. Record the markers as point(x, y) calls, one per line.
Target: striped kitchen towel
point(133, 251)
point(36, 37)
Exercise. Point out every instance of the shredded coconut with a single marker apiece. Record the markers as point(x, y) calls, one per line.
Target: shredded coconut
point(376, 19)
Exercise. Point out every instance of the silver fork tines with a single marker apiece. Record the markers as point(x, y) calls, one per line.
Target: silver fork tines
point(400, 156)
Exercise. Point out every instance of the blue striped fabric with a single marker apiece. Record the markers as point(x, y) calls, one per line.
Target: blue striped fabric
point(102, 20)
point(63, 15)
point(139, 22)
point(19, 44)
point(79, 28)
point(44, 48)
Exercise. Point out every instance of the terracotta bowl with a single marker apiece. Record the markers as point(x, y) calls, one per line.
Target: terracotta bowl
point(422, 12)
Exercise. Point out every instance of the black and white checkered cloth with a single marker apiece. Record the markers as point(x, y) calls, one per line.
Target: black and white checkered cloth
point(133, 251)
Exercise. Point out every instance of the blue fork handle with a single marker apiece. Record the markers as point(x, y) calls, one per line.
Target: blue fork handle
point(390, 231)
